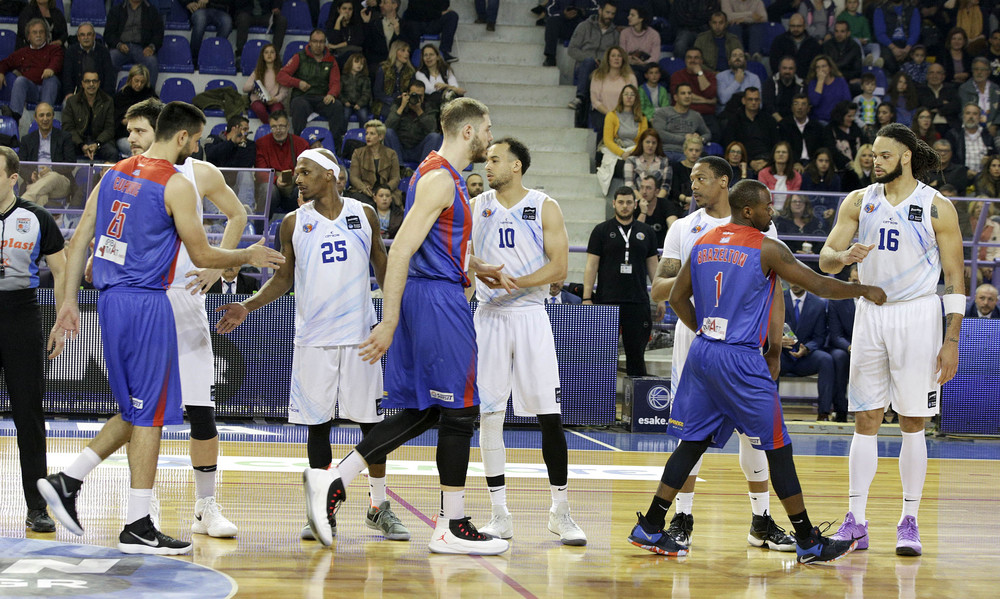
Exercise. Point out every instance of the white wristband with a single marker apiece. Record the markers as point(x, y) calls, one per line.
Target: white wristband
point(954, 303)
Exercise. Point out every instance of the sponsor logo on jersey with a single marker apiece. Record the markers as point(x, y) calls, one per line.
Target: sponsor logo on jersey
point(487, 213)
point(441, 395)
point(528, 213)
point(137, 403)
point(23, 225)
point(675, 423)
point(378, 406)
point(640, 235)
point(916, 214)
point(715, 327)
point(658, 398)
point(697, 228)
point(136, 172)
point(558, 395)
point(754, 440)
point(613, 235)
point(870, 207)
point(932, 400)
point(726, 237)
point(353, 222)
point(307, 227)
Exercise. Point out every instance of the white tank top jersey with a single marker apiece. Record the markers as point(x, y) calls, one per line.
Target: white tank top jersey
point(513, 238)
point(333, 304)
point(905, 261)
point(184, 264)
point(684, 232)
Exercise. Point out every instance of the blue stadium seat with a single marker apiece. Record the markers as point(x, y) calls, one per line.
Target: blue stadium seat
point(179, 19)
point(122, 82)
point(88, 10)
point(299, 19)
point(175, 55)
point(291, 48)
point(248, 57)
point(713, 149)
point(757, 69)
point(5, 90)
point(218, 130)
point(177, 89)
point(774, 29)
point(34, 125)
point(216, 57)
point(215, 84)
point(670, 65)
point(9, 127)
point(321, 133)
point(357, 134)
point(261, 131)
point(8, 39)
point(324, 14)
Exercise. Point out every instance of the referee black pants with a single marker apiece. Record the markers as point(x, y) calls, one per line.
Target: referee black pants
point(635, 323)
point(22, 359)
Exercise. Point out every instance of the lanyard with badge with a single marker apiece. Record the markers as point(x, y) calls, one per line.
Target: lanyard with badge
point(625, 267)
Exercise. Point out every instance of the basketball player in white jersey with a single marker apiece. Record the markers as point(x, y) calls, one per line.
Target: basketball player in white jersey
point(194, 342)
point(710, 178)
point(907, 234)
point(328, 243)
point(522, 229)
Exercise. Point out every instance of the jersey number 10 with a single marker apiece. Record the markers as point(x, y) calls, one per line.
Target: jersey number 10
point(888, 239)
point(506, 238)
point(334, 252)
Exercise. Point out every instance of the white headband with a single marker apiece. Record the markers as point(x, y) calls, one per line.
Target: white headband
point(318, 157)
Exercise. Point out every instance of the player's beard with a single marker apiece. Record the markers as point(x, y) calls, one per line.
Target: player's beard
point(477, 150)
point(892, 175)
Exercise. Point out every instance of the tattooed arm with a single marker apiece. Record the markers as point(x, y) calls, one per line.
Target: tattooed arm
point(838, 250)
point(666, 274)
point(949, 238)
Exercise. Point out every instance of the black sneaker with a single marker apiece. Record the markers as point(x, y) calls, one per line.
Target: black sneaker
point(765, 532)
point(39, 521)
point(449, 58)
point(818, 548)
point(680, 529)
point(142, 537)
point(60, 492)
point(658, 541)
point(550, 61)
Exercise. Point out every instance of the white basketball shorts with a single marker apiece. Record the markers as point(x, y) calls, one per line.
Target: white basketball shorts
point(323, 377)
point(194, 347)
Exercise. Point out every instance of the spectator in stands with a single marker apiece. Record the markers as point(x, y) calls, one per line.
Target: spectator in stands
point(704, 89)
point(259, 13)
point(984, 305)
point(655, 212)
point(134, 34)
point(716, 44)
point(797, 43)
point(820, 16)
point(612, 75)
point(756, 129)
point(690, 18)
point(413, 125)
point(748, 18)
point(680, 189)
point(205, 13)
point(234, 281)
point(314, 78)
point(990, 233)
point(942, 99)
point(884, 114)
point(381, 30)
point(46, 145)
point(736, 78)
point(993, 55)
point(438, 78)
point(621, 129)
point(89, 117)
point(374, 164)
point(797, 217)
point(87, 53)
point(951, 173)
point(345, 31)
point(980, 90)
point(48, 11)
point(803, 134)
point(390, 215)
point(957, 61)
point(234, 149)
point(861, 31)
point(431, 17)
point(923, 126)
point(392, 78)
point(783, 86)
point(987, 183)
point(278, 150)
point(858, 173)
point(803, 354)
point(916, 65)
point(736, 155)
point(843, 135)
point(779, 175)
point(971, 143)
point(474, 184)
point(903, 96)
point(897, 30)
point(845, 53)
point(37, 67)
point(558, 295)
point(821, 175)
point(136, 89)
point(826, 88)
point(647, 159)
point(561, 20)
point(356, 89)
point(652, 93)
point(840, 318)
point(867, 103)
point(265, 75)
point(679, 122)
point(640, 41)
point(591, 40)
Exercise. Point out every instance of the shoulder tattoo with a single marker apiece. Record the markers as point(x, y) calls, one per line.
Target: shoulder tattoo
point(934, 211)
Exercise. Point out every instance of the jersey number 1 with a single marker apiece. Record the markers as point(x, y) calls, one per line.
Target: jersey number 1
point(334, 252)
point(718, 288)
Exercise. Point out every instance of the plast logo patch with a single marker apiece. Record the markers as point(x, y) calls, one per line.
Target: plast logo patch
point(658, 398)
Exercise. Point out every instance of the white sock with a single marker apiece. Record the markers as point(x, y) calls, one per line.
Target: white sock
point(204, 484)
point(453, 505)
point(912, 471)
point(498, 496)
point(350, 467)
point(376, 490)
point(83, 464)
point(138, 504)
point(760, 503)
point(862, 465)
point(684, 503)
point(560, 494)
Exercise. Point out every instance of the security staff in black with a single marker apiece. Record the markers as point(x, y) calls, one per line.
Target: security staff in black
point(621, 256)
point(28, 232)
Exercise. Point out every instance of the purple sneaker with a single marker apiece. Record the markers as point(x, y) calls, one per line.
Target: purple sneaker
point(852, 530)
point(908, 537)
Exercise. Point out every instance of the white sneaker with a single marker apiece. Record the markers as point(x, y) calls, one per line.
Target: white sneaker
point(461, 537)
point(501, 525)
point(208, 520)
point(322, 501)
point(561, 524)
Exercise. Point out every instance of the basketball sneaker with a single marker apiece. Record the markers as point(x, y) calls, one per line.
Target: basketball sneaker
point(308, 535)
point(851, 530)
point(562, 524)
point(208, 519)
point(39, 521)
point(908, 537)
point(460, 536)
point(142, 537)
point(501, 525)
point(680, 529)
point(324, 494)
point(818, 548)
point(60, 492)
point(765, 532)
point(382, 518)
point(657, 541)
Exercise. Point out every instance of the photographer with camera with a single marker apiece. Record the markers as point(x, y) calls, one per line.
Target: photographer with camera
point(412, 125)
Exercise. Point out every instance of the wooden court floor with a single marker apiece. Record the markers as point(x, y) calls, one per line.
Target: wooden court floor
point(959, 518)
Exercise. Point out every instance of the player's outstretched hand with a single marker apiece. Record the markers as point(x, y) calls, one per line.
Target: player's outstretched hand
point(494, 277)
point(203, 279)
point(377, 343)
point(262, 256)
point(233, 315)
point(856, 253)
point(947, 362)
point(874, 294)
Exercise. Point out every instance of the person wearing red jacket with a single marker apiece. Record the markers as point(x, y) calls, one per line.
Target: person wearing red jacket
point(278, 150)
point(314, 78)
point(37, 67)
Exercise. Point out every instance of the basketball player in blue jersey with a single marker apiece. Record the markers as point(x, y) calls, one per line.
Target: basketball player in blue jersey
point(710, 179)
point(731, 273)
point(142, 210)
point(328, 244)
point(431, 367)
point(907, 234)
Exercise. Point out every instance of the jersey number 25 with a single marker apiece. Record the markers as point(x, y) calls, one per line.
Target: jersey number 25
point(334, 252)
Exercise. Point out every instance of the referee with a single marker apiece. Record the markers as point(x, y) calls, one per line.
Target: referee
point(28, 232)
point(621, 257)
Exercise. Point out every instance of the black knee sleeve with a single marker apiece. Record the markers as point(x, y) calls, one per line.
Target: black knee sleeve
point(681, 461)
point(366, 427)
point(394, 431)
point(554, 449)
point(318, 445)
point(783, 477)
point(454, 435)
point(202, 422)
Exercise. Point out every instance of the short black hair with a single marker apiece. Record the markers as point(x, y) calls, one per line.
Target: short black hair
point(519, 150)
point(176, 117)
point(719, 166)
point(746, 192)
point(625, 190)
point(236, 121)
point(379, 186)
point(148, 109)
point(278, 114)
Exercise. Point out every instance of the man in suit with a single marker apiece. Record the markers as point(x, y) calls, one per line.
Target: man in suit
point(971, 142)
point(803, 354)
point(235, 281)
point(802, 133)
point(981, 86)
point(558, 295)
point(941, 97)
point(47, 144)
point(984, 305)
point(87, 54)
point(840, 317)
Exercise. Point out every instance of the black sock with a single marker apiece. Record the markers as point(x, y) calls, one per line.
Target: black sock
point(802, 525)
point(496, 481)
point(657, 514)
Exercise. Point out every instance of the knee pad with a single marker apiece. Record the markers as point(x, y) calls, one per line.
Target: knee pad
point(459, 422)
point(753, 461)
point(202, 422)
point(783, 477)
point(491, 431)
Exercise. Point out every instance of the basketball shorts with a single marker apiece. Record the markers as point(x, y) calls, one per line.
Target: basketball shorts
point(140, 351)
point(723, 387)
point(516, 353)
point(683, 338)
point(432, 359)
point(194, 347)
point(324, 378)
point(894, 352)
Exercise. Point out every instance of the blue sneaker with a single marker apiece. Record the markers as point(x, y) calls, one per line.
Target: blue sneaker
point(818, 548)
point(658, 542)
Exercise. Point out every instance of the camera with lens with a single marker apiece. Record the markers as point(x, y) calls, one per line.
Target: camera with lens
point(415, 98)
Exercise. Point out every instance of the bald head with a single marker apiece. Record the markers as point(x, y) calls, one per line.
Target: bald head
point(986, 299)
